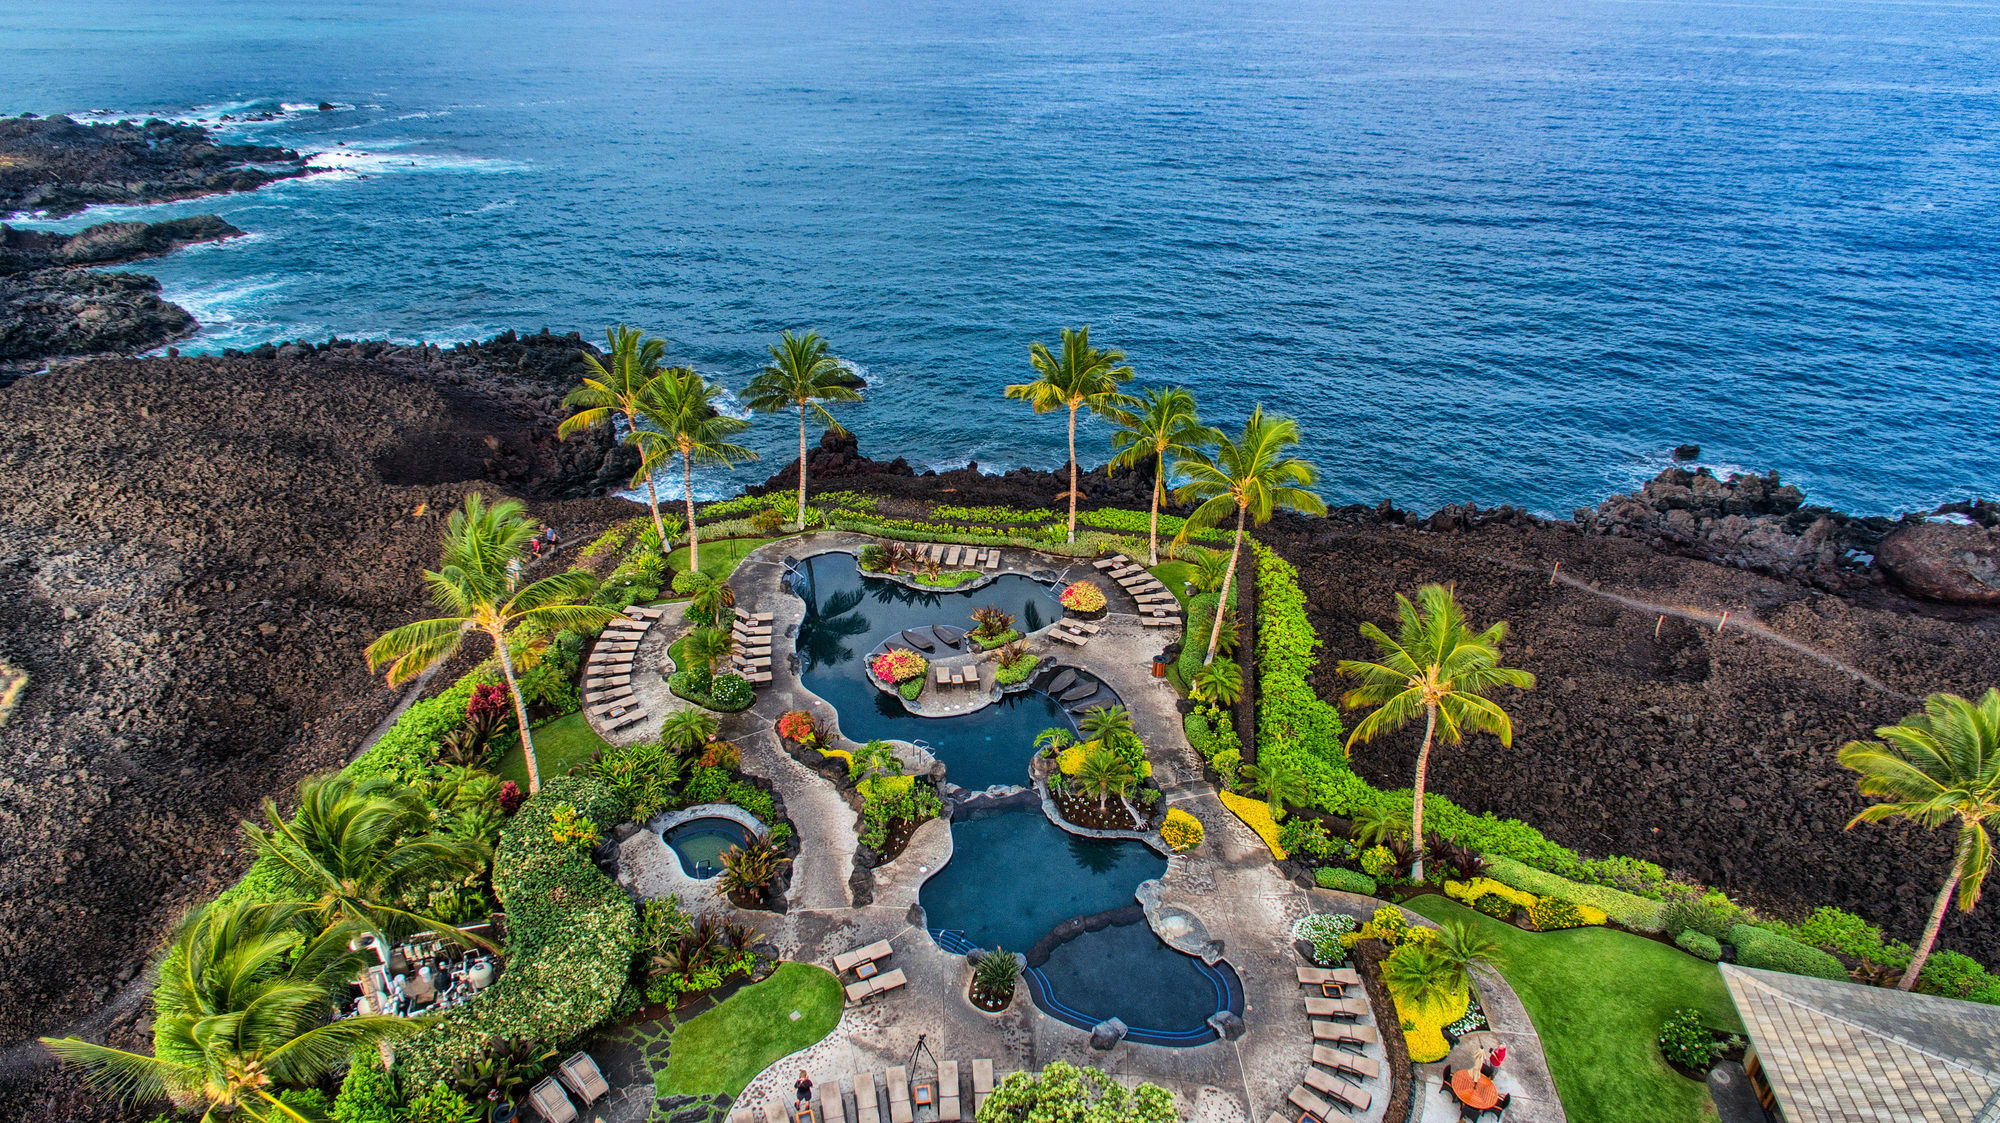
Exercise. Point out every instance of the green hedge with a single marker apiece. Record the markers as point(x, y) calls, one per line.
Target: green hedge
point(1347, 881)
point(1761, 947)
point(569, 939)
point(1699, 944)
point(1636, 913)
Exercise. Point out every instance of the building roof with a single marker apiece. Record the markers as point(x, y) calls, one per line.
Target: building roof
point(1840, 1052)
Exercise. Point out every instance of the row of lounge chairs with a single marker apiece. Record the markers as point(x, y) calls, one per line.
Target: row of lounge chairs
point(1158, 608)
point(752, 659)
point(972, 557)
point(947, 1095)
point(1329, 1080)
point(581, 1076)
point(869, 978)
point(607, 678)
point(1073, 631)
point(965, 675)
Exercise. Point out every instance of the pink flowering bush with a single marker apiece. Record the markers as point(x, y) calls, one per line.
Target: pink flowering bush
point(798, 725)
point(1083, 597)
point(898, 665)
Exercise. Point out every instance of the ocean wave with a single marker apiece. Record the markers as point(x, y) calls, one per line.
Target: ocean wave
point(859, 370)
point(340, 164)
point(220, 117)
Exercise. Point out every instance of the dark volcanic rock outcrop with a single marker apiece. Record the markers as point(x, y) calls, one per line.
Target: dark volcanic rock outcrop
point(56, 166)
point(193, 553)
point(60, 313)
point(107, 243)
point(1944, 562)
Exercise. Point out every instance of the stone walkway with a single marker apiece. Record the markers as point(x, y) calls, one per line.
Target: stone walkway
point(1228, 890)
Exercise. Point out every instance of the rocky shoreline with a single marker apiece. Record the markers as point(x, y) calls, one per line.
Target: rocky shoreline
point(53, 166)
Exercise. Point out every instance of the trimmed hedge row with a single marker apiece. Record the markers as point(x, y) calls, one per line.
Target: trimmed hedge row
point(1761, 947)
point(1636, 913)
point(569, 934)
point(1345, 880)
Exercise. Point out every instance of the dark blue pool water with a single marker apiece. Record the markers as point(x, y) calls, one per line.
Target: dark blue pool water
point(847, 614)
point(1124, 970)
point(699, 844)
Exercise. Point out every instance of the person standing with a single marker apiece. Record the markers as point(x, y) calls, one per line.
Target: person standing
point(804, 1089)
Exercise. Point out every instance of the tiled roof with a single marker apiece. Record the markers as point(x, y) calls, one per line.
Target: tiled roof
point(1840, 1052)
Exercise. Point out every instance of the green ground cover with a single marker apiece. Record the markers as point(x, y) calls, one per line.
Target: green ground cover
point(721, 1051)
point(1174, 575)
point(718, 559)
point(1597, 997)
point(559, 744)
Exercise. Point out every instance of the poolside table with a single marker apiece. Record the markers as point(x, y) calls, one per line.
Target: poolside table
point(1474, 1090)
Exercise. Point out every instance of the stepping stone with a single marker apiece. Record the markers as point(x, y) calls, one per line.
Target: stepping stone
point(923, 639)
point(1062, 681)
point(948, 635)
point(1079, 692)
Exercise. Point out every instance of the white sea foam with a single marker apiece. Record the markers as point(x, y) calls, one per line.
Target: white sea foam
point(860, 371)
point(340, 164)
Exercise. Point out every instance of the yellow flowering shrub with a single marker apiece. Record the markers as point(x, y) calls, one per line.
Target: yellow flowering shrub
point(1181, 831)
point(1257, 816)
point(841, 755)
point(1470, 891)
point(1423, 1023)
point(1070, 760)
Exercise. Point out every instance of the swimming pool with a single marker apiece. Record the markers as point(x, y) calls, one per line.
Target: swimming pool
point(848, 613)
point(699, 844)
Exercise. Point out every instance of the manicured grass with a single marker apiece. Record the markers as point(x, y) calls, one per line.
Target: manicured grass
point(559, 744)
point(722, 1050)
point(1597, 997)
point(718, 559)
point(1174, 575)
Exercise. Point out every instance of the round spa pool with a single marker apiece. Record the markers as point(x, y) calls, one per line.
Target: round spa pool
point(699, 844)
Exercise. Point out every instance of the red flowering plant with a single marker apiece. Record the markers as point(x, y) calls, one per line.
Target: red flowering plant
point(1083, 597)
point(798, 726)
point(898, 664)
point(510, 796)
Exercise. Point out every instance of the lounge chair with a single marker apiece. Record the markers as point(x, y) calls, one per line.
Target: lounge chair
point(947, 1105)
point(831, 1109)
point(982, 1082)
point(643, 612)
point(1341, 1061)
point(754, 617)
point(629, 717)
point(1070, 638)
point(849, 960)
point(1160, 621)
point(1084, 626)
point(637, 627)
point(1128, 571)
point(1335, 1008)
point(993, 559)
point(757, 677)
point(742, 1115)
point(866, 1108)
point(581, 1074)
point(550, 1103)
point(1314, 976)
point(774, 1111)
point(1341, 1034)
point(898, 1080)
point(1109, 563)
point(1303, 1098)
point(889, 981)
point(951, 558)
point(1348, 1096)
point(943, 676)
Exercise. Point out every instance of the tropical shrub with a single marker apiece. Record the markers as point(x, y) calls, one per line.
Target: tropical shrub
point(732, 693)
point(1699, 944)
point(1549, 914)
point(1256, 814)
point(1322, 931)
point(1495, 906)
point(367, 1094)
point(1686, 1042)
point(1630, 911)
point(874, 558)
point(1347, 881)
point(1699, 915)
point(1083, 596)
point(1430, 993)
point(1379, 863)
point(1835, 930)
point(898, 664)
point(641, 775)
point(1470, 892)
point(1182, 831)
point(438, 1104)
point(1064, 1093)
point(996, 974)
point(907, 804)
point(1761, 947)
point(1017, 671)
point(715, 785)
point(992, 514)
point(1308, 837)
point(799, 726)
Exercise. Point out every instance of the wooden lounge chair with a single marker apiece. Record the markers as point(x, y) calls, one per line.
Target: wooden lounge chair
point(581, 1074)
point(866, 1108)
point(757, 677)
point(611, 694)
point(1343, 1034)
point(1070, 638)
point(1160, 621)
point(1347, 976)
point(993, 559)
point(550, 1103)
point(950, 558)
point(898, 1080)
point(889, 981)
point(774, 1111)
point(982, 1082)
point(625, 627)
point(629, 717)
point(754, 617)
point(1335, 1008)
point(1084, 626)
point(616, 647)
point(1109, 563)
point(831, 1108)
point(1303, 1098)
point(1346, 1095)
point(643, 612)
point(1340, 1060)
point(849, 960)
point(1128, 571)
point(1315, 976)
point(943, 676)
point(742, 1115)
point(948, 1106)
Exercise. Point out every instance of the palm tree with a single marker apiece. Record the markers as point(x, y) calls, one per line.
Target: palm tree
point(1436, 667)
point(680, 409)
point(1110, 724)
point(1104, 772)
point(802, 374)
point(1463, 943)
point(1419, 974)
point(616, 391)
point(1375, 825)
point(1082, 378)
point(359, 846)
point(709, 645)
point(1934, 767)
point(1251, 476)
point(1278, 782)
point(475, 588)
point(871, 759)
point(688, 729)
point(1162, 424)
point(1219, 683)
point(1054, 737)
point(243, 1010)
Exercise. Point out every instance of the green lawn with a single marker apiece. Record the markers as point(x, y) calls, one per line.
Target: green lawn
point(718, 559)
point(1174, 575)
point(722, 1050)
point(1597, 997)
point(559, 744)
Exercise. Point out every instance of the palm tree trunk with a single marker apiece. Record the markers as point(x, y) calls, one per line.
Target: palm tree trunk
point(687, 489)
point(659, 524)
point(520, 710)
point(1235, 553)
point(1930, 931)
point(802, 466)
point(1072, 474)
point(1153, 529)
point(1417, 790)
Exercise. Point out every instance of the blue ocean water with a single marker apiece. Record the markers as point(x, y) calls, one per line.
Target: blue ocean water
point(1493, 251)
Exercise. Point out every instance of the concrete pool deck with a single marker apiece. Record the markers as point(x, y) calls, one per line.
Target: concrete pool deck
point(1229, 886)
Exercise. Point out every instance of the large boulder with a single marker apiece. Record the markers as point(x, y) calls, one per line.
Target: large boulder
point(1945, 562)
point(1108, 1033)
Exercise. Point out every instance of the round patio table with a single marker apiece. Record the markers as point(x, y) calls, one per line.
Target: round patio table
point(1474, 1090)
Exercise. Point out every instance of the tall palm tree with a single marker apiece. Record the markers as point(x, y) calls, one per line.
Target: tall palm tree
point(802, 374)
point(1937, 766)
point(1161, 424)
point(1111, 725)
point(357, 847)
point(1251, 476)
point(1438, 667)
point(243, 1010)
point(709, 646)
point(680, 410)
point(1083, 377)
point(1103, 772)
point(474, 586)
point(1278, 782)
point(615, 392)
